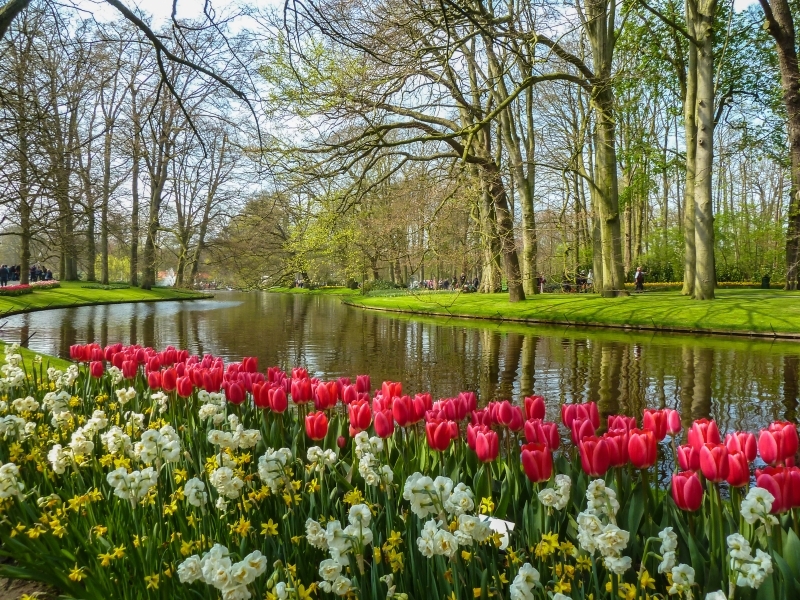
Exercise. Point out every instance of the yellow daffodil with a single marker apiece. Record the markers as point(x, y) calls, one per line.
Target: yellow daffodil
point(180, 475)
point(76, 574)
point(376, 555)
point(466, 556)
point(645, 581)
point(486, 506)
point(353, 497)
point(312, 486)
point(269, 528)
point(152, 581)
point(105, 559)
point(119, 552)
point(394, 539)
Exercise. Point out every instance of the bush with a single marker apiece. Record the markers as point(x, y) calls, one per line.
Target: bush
point(378, 284)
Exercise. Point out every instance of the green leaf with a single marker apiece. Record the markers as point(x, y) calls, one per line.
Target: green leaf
point(505, 496)
point(791, 552)
point(481, 483)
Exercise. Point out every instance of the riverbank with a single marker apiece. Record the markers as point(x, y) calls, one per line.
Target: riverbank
point(86, 294)
point(763, 313)
point(322, 291)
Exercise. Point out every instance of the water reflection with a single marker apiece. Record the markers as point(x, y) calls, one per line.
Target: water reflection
point(742, 383)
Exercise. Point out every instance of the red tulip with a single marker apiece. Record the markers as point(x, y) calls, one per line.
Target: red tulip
point(349, 393)
point(510, 416)
point(580, 429)
point(341, 441)
point(250, 364)
point(617, 445)
point(316, 425)
point(468, 399)
point(778, 443)
point(76, 352)
point(642, 448)
point(784, 484)
point(129, 368)
point(185, 387)
point(301, 390)
point(384, 423)
point(261, 395)
point(278, 401)
point(390, 389)
point(674, 425)
point(362, 384)
point(96, 369)
point(738, 469)
point(154, 380)
point(588, 410)
point(714, 462)
point(655, 421)
point(154, 364)
point(537, 462)
point(687, 491)
point(689, 458)
point(234, 392)
point(326, 395)
point(595, 458)
point(486, 445)
point(421, 404)
point(439, 433)
point(539, 432)
point(621, 422)
point(403, 411)
point(703, 432)
point(360, 415)
point(534, 407)
point(744, 442)
point(169, 379)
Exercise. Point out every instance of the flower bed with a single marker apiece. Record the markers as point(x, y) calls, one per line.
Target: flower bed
point(46, 285)
point(16, 290)
point(143, 474)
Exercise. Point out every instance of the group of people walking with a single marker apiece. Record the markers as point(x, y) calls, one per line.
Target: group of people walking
point(456, 283)
point(35, 273)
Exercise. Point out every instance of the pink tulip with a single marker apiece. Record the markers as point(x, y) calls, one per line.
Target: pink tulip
point(714, 462)
point(744, 442)
point(703, 432)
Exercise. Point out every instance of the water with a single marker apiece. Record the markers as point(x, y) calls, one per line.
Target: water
point(742, 383)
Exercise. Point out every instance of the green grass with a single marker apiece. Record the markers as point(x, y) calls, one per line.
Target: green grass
point(325, 291)
point(735, 311)
point(76, 294)
point(28, 359)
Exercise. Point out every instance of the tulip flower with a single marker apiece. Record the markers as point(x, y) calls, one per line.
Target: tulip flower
point(689, 458)
point(384, 423)
point(674, 426)
point(96, 369)
point(468, 399)
point(316, 425)
point(703, 432)
point(738, 469)
point(301, 390)
point(621, 422)
point(486, 445)
point(534, 407)
point(542, 432)
point(154, 364)
point(421, 404)
point(391, 389)
point(580, 429)
point(617, 445)
point(341, 441)
point(714, 462)
point(642, 448)
point(784, 485)
point(184, 386)
point(510, 416)
point(588, 410)
point(129, 369)
point(169, 379)
point(360, 415)
point(250, 364)
point(234, 392)
point(403, 411)
point(655, 421)
point(278, 401)
point(439, 433)
point(154, 380)
point(349, 394)
point(537, 462)
point(744, 442)
point(595, 457)
point(362, 384)
point(326, 395)
point(687, 491)
point(299, 373)
point(778, 443)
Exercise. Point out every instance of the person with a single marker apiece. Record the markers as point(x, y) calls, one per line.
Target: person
point(49, 275)
point(639, 279)
point(463, 279)
point(3, 276)
point(475, 283)
point(541, 281)
point(590, 280)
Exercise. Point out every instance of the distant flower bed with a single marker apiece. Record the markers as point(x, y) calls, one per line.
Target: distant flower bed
point(21, 289)
point(46, 285)
point(144, 474)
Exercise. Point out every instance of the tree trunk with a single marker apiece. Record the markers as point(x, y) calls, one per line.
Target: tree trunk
point(704, 281)
point(780, 25)
point(505, 231)
point(91, 246)
point(136, 156)
point(690, 128)
point(106, 193)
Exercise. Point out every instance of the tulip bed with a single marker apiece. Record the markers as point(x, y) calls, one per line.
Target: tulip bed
point(143, 474)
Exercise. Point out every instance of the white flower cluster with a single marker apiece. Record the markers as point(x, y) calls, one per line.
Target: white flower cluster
point(59, 458)
point(135, 421)
point(132, 486)
point(58, 378)
point(369, 467)
point(271, 468)
point(117, 442)
point(523, 584)
point(124, 396)
point(13, 375)
point(162, 444)
point(56, 402)
point(594, 534)
point(10, 485)
point(238, 437)
point(162, 400)
point(81, 444)
point(319, 459)
point(195, 492)
point(14, 427)
point(212, 407)
point(757, 506)
point(339, 543)
point(669, 544)
point(751, 571)
point(557, 497)
point(218, 570)
point(25, 405)
point(436, 540)
point(96, 423)
point(116, 375)
point(226, 482)
point(437, 496)
point(682, 581)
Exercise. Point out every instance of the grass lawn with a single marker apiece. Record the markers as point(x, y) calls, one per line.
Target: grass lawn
point(28, 356)
point(737, 311)
point(76, 294)
point(323, 291)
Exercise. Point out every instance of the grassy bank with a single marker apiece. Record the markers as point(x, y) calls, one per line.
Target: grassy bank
point(82, 294)
point(322, 291)
point(29, 359)
point(763, 312)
